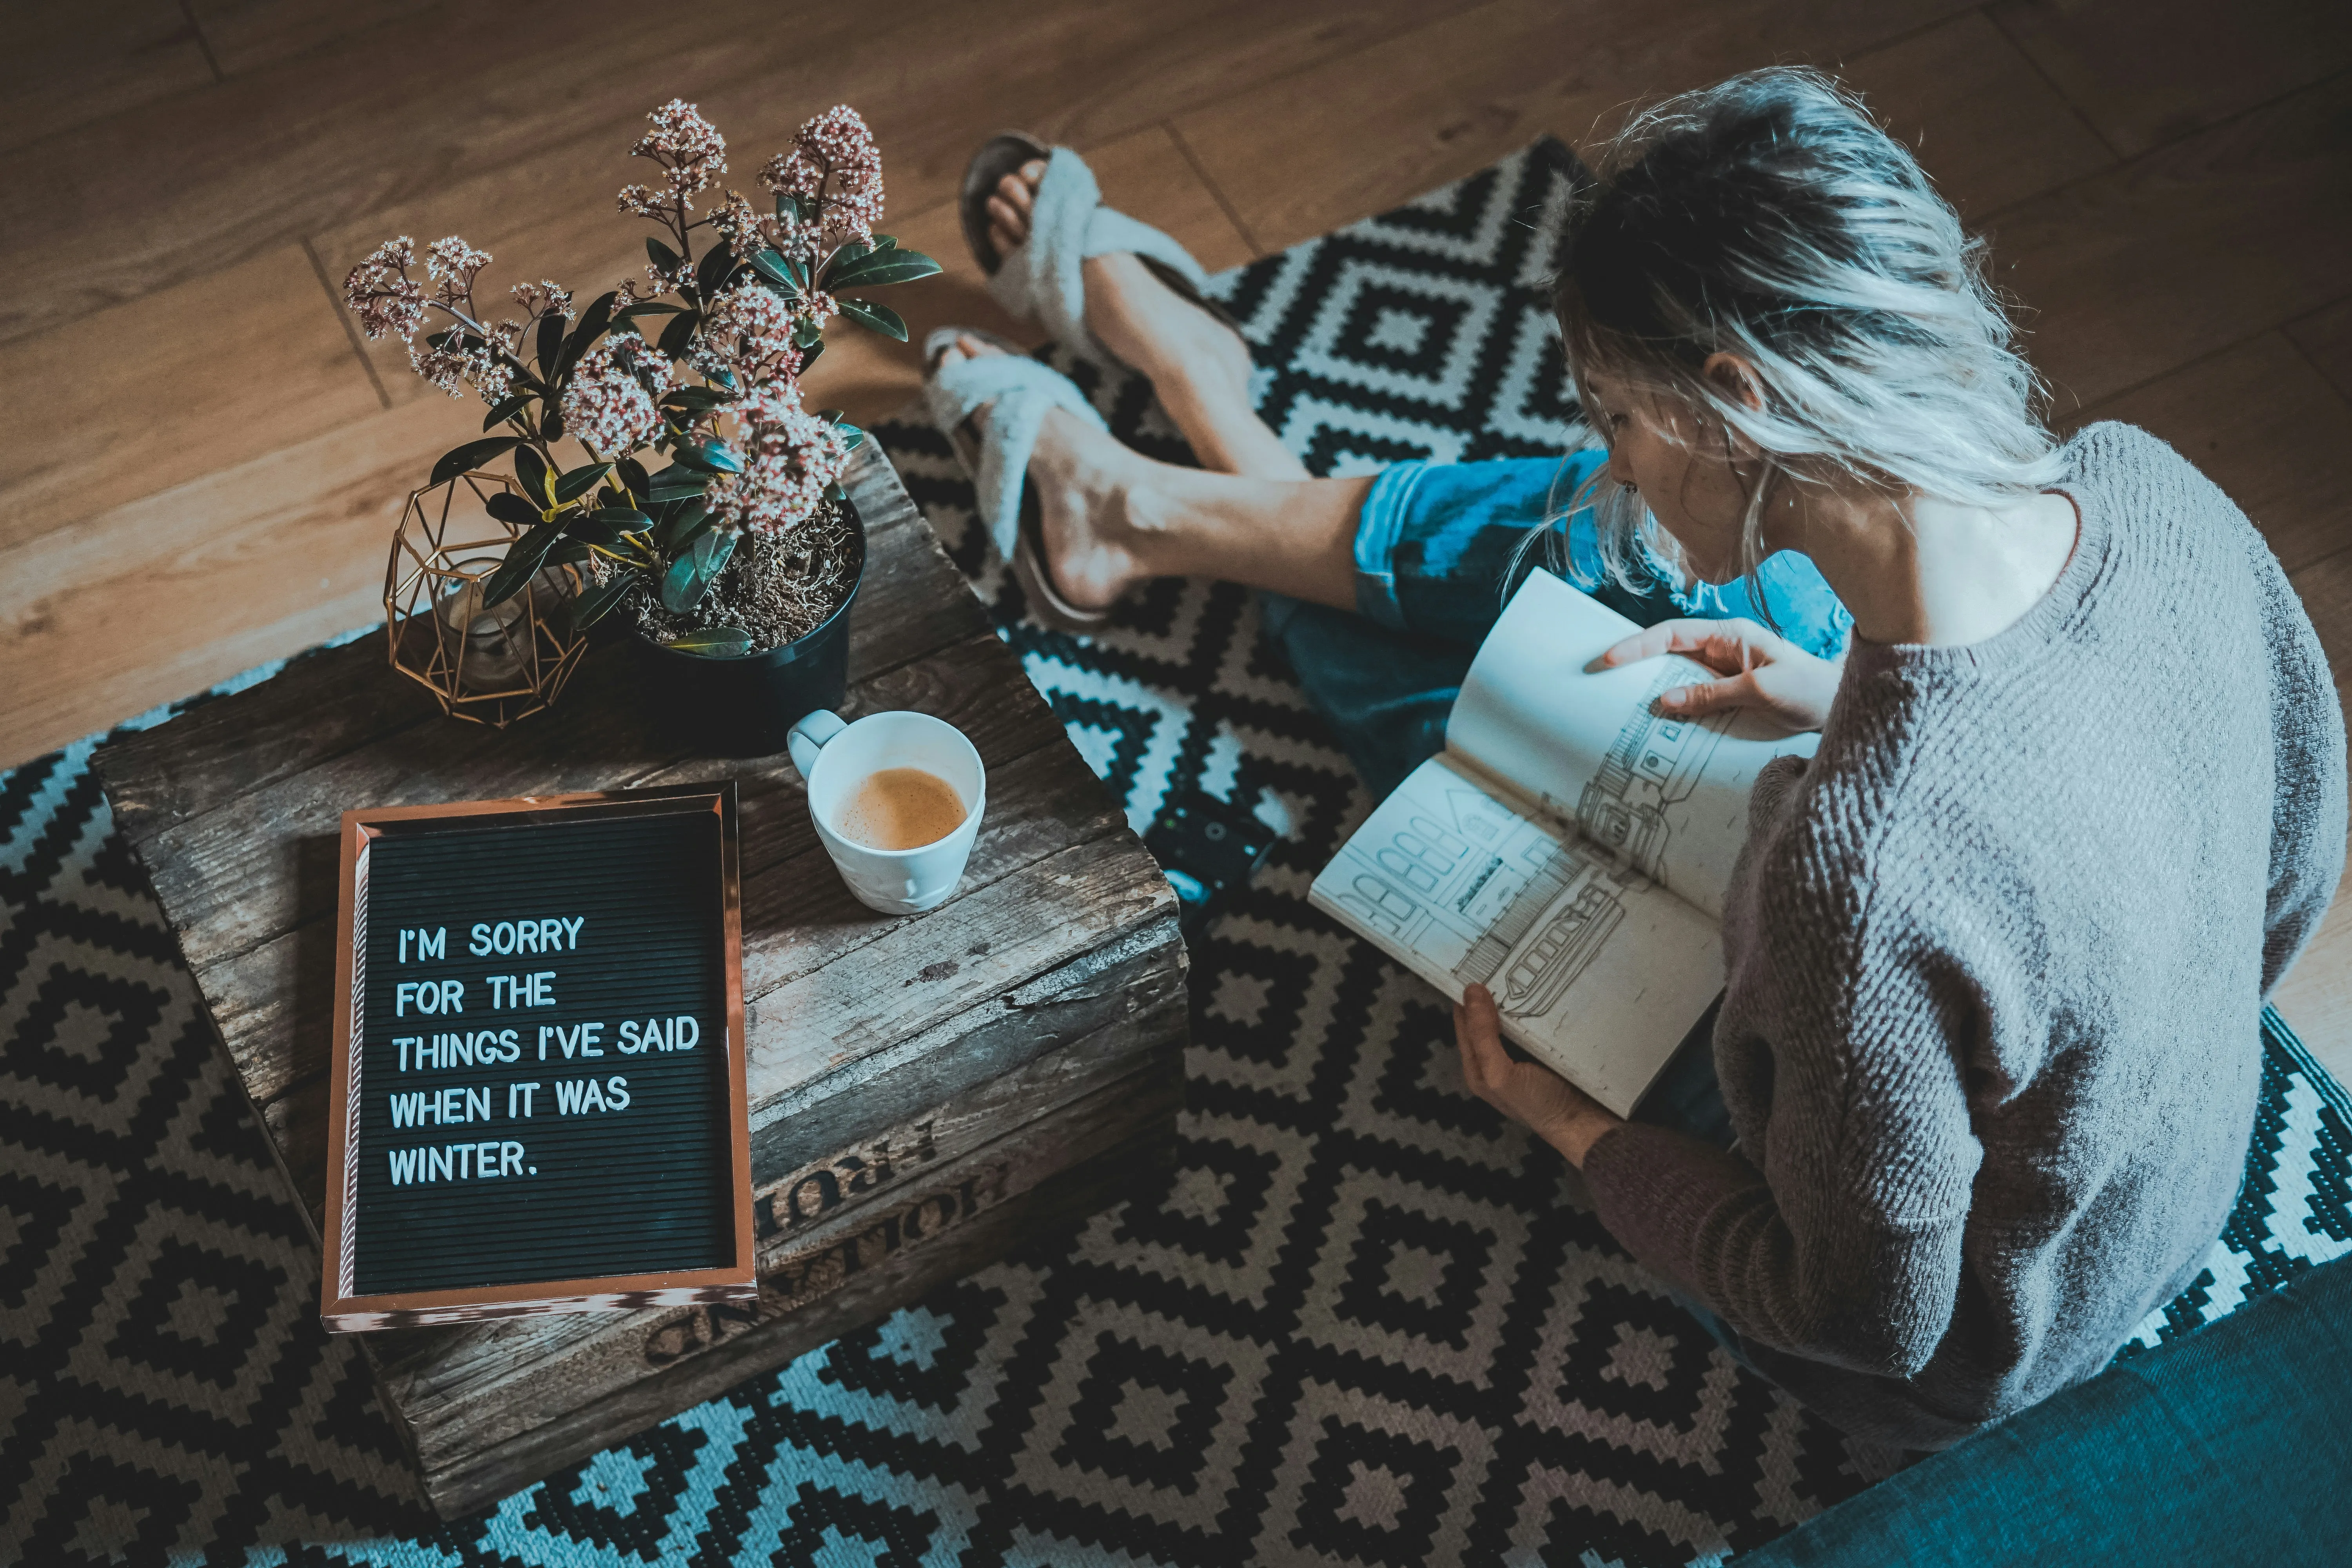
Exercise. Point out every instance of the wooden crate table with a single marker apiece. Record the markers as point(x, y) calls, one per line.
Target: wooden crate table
point(925, 1091)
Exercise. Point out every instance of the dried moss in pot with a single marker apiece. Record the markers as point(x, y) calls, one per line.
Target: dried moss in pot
point(776, 587)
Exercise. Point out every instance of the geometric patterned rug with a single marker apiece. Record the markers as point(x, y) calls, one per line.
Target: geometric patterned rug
point(1364, 1322)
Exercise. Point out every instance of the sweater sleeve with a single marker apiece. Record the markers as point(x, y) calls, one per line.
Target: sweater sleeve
point(1842, 1242)
point(2307, 803)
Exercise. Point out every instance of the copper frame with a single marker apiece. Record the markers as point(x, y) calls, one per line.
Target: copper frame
point(427, 565)
point(344, 1313)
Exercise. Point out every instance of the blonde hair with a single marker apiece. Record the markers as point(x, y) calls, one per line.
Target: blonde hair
point(1769, 216)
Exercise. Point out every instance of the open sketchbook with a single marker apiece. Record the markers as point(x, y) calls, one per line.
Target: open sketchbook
point(1569, 850)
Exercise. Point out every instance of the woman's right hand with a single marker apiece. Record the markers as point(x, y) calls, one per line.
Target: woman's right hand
point(1759, 670)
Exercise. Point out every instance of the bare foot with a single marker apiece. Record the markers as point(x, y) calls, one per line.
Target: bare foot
point(1192, 359)
point(1084, 481)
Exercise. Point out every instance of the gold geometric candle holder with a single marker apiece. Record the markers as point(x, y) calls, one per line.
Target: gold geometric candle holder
point(489, 666)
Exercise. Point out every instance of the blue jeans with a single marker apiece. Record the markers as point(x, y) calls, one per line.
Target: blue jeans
point(1434, 549)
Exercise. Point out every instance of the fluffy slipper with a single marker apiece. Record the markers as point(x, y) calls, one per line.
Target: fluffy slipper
point(1018, 393)
point(1041, 279)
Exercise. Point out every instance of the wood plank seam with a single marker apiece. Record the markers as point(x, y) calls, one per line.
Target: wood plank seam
point(2119, 394)
point(2213, 129)
point(2034, 63)
point(204, 43)
point(351, 327)
point(1201, 173)
point(2299, 346)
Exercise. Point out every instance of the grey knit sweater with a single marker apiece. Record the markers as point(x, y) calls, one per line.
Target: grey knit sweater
point(1996, 957)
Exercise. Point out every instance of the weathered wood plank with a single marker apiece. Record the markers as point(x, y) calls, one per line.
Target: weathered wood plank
point(273, 1002)
point(423, 1371)
point(967, 1215)
point(1106, 988)
point(262, 863)
point(908, 980)
point(328, 705)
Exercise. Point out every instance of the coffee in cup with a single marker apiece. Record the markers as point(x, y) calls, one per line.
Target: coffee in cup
point(896, 800)
point(901, 808)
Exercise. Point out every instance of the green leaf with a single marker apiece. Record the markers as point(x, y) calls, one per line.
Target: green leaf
point(682, 525)
point(806, 334)
point(550, 424)
point(661, 254)
point(524, 558)
point(590, 529)
point(593, 322)
point(551, 341)
point(690, 575)
point(716, 456)
point(627, 519)
point(776, 272)
point(695, 397)
point(632, 474)
point(580, 482)
point(569, 553)
point(878, 268)
point(502, 413)
point(471, 456)
point(881, 318)
point(647, 308)
point(808, 354)
point(680, 334)
point(712, 270)
point(508, 507)
point(593, 605)
point(533, 470)
point(884, 241)
point(834, 492)
point(726, 642)
point(676, 484)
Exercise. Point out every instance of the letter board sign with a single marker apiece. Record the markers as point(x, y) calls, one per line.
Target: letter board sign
point(537, 1090)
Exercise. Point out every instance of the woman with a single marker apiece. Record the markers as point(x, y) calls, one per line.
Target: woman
point(1994, 955)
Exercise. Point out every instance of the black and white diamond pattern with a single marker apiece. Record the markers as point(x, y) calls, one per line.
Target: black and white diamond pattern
point(1364, 1323)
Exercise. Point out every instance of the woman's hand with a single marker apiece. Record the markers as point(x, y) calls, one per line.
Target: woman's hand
point(1558, 1111)
point(1762, 671)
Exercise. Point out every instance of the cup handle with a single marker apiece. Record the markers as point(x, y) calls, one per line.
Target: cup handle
point(808, 737)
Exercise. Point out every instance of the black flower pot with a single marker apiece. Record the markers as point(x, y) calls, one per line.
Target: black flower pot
point(744, 706)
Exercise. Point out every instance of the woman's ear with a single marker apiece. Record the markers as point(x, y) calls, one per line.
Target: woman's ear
point(1736, 379)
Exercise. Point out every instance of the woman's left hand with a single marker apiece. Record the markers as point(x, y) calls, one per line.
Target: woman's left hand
point(1558, 1112)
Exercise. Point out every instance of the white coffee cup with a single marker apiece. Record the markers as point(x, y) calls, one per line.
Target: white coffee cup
point(834, 758)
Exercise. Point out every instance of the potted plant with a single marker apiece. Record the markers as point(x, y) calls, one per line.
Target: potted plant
point(657, 437)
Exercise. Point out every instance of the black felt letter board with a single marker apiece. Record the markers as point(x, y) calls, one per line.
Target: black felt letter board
point(541, 1025)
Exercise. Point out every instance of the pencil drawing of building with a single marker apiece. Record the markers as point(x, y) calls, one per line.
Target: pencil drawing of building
point(1542, 890)
point(1654, 764)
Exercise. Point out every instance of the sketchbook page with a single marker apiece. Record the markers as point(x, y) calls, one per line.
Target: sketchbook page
point(1597, 971)
point(1670, 795)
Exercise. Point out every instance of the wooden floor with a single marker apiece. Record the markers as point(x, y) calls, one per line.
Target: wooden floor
point(203, 460)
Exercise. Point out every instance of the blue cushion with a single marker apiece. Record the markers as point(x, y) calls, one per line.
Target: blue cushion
point(2231, 1445)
